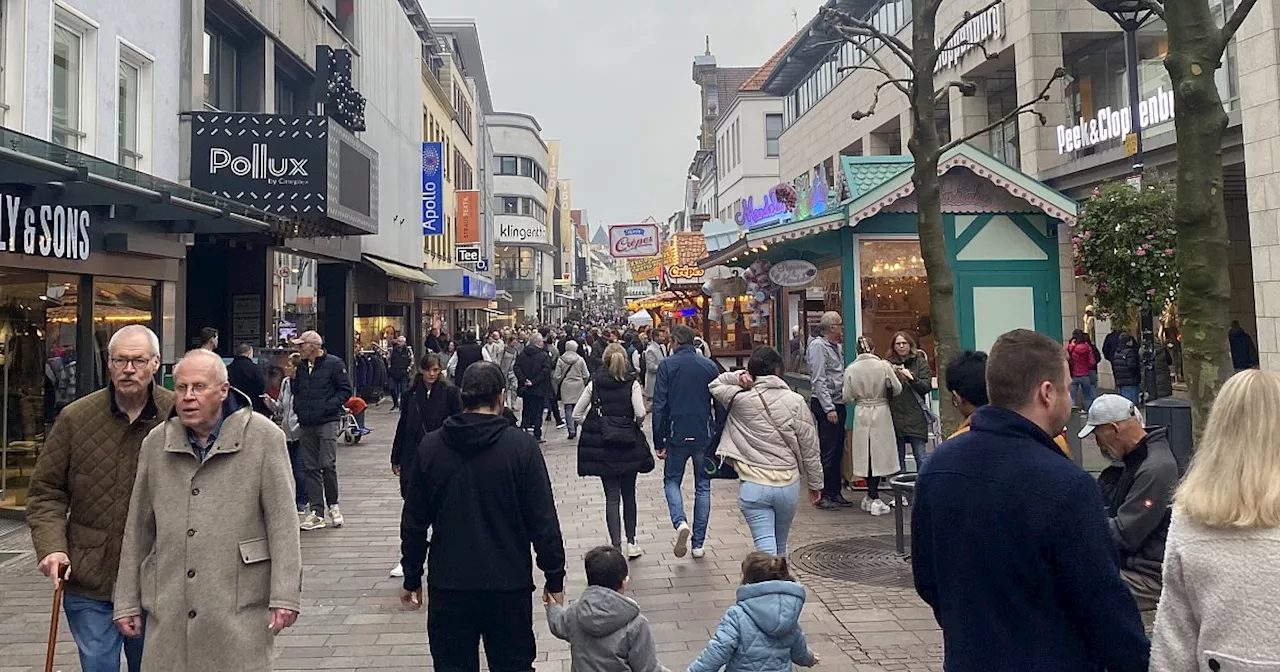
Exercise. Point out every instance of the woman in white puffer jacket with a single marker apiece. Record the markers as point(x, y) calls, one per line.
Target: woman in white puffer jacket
point(770, 439)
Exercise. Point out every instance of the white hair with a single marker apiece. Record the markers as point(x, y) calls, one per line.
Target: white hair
point(135, 330)
point(219, 367)
point(829, 321)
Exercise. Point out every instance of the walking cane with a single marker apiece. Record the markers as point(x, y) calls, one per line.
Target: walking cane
point(53, 623)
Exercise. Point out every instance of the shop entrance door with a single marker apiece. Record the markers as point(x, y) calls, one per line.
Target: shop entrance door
point(992, 302)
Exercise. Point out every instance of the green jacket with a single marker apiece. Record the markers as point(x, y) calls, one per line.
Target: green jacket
point(908, 417)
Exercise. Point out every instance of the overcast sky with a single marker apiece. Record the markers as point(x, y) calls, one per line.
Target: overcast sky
point(611, 81)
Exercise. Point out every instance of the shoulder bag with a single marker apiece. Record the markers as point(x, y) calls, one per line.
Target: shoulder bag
point(713, 465)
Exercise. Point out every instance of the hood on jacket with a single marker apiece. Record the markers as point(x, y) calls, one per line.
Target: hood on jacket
point(472, 433)
point(571, 357)
point(530, 351)
point(600, 612)
point(774, 606)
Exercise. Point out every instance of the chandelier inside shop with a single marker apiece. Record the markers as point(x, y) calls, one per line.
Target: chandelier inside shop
point(342, 102)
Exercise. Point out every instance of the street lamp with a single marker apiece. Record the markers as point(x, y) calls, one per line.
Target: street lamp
point(1131, 15)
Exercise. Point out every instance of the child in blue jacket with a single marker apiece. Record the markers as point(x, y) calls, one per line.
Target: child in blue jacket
point(761, 633)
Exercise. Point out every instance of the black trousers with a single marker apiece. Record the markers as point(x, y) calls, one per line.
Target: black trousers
point(457, 620)
point(831, 443)
point(620, 491)
point(532, 411)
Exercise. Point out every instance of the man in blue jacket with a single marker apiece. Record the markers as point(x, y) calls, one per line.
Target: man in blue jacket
point(682, 432)
point(1010, 541)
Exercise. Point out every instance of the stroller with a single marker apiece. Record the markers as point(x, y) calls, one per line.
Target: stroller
point(348, 428)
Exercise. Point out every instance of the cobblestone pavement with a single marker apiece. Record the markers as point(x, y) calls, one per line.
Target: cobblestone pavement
point(352, 619)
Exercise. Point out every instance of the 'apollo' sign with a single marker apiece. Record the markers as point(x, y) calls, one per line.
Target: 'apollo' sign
point(1110, 124)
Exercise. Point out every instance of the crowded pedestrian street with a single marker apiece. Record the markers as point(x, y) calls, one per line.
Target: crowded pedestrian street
point(352, 619)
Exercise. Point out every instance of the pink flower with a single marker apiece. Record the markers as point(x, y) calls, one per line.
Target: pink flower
point(1151, 236)
point(1075, 240)
point(1146, 246)
point(1141, 252)
point(1168, 251)
point(1151, 292)
point(1102, 287)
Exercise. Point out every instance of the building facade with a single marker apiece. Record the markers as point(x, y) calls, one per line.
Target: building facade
point(524, 254)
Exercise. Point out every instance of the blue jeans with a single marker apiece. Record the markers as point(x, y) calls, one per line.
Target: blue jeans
point(769, 510)
point(917, 451)
point(1087, 390)
point(299, 474)
point(1130, 392)
point(673, 475)
point(97, 638)
point(568, 419)
point(397, 391)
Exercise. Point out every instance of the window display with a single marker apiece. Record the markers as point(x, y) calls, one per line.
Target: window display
point(895, 293)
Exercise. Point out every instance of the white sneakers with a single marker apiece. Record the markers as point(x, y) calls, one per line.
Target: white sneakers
point(681, 545)
point(875, 507)
point(632, 551)
point(311, 522)
point(397, 572)
point(335, 516)
point(699, 552)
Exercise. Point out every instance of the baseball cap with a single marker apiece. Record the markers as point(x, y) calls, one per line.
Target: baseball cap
point(311, 337)
point(1107, 409)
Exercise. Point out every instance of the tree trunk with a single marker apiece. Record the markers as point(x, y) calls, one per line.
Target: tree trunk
point(925, 148)
point(1195, 51)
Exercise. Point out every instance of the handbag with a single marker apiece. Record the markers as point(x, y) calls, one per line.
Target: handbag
point(715, 466)
point(615, 431)
point(931, 418)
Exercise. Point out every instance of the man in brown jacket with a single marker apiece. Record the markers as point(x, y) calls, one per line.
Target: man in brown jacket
point(210, 551)
point(80, 493)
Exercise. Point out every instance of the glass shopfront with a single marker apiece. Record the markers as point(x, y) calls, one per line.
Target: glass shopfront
point(43, 365)
point(894, 294)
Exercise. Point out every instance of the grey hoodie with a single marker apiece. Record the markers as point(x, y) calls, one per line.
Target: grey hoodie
point(606, 633)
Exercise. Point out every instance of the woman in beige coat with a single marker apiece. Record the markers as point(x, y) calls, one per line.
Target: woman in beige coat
point(210, 549)
point(869, 382)
point(772, 442)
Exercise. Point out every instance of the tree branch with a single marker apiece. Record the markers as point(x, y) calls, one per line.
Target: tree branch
point(1233, 24)
point(1155, 7)
point(1024, 108)
point(967, 18)
point(970, 43)
point(966, 88)
point(880, 66)
point(859, 115)
point(846, 24)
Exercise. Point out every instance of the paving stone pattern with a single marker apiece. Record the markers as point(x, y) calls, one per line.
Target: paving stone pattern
point(352, 619)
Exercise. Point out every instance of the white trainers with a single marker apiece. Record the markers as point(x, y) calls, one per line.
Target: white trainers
point(699, 552)
point(335, 516)
point(397, 572)
point(879, 508)
point(311, 522)
point(866, 503)
point(681, 545)
point(632, 551)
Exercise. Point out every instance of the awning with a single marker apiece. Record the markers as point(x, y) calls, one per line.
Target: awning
point(399, 271)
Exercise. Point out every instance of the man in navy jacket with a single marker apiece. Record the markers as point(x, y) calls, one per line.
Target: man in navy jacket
point(682, 432)
point(1010, 542)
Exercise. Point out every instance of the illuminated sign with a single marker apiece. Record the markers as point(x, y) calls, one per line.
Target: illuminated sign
point(811, 201)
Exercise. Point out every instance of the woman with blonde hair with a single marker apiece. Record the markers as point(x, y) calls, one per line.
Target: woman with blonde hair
point(870, 382)
point(612, 445)
point(1221, 596)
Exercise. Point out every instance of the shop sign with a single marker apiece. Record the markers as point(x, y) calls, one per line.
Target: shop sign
point(646, 268)
point(478, 288)
point(432, 189)
point(521, 230)
point(1110, 123)
point(56, 231)
point(468, 218)
point(682, 274)
point(811, 201)
point(466, 255)
point(983, 28)
point(633, 240)
point(769, 210)
point(792, 273)
point(294, 165)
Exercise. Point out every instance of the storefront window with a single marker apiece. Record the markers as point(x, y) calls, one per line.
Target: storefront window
point(116, 304)
point(39, 359)
point(895, 294)
point(515, 263)
point(294, 292)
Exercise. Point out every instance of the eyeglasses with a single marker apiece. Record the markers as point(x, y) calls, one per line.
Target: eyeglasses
point(125, 362)
point(195, 388)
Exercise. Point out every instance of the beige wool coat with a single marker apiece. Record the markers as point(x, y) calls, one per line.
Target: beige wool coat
point(210, 547)
point(869, 383)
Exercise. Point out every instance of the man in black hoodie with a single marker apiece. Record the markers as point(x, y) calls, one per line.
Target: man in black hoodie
point(245, 375)
point(533, 377)
point(482, 486)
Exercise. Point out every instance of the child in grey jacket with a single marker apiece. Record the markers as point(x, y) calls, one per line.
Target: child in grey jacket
point(761, 633)
point(604, 628)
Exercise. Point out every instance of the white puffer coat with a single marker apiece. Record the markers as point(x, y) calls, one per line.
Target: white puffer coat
point(767, 425)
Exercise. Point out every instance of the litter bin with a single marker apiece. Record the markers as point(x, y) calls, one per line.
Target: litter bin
point(1174, 415)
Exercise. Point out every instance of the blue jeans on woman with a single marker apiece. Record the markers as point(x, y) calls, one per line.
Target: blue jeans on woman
point(769, 510)
point(917, 451)
point(1087, 390)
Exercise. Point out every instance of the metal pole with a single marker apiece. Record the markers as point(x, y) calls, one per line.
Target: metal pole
point(1146, 317)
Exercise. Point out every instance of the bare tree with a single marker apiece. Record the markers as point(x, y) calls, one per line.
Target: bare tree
point(1196, 48)
point(920, 59)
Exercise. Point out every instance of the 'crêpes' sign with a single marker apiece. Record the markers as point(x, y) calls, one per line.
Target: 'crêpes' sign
point(55, 231)
point(633, 240)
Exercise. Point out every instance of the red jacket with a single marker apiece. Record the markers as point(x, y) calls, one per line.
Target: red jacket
point(1081, 357)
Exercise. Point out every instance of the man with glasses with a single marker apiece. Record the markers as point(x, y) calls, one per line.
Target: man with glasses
point(79, 496)
point(320, 393)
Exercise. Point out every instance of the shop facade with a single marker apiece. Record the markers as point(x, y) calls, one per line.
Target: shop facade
point(863, 259)
point(460, 301)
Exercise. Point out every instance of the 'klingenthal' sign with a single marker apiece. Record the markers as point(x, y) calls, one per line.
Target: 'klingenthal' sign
point(276, 163)
point(56, 231)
